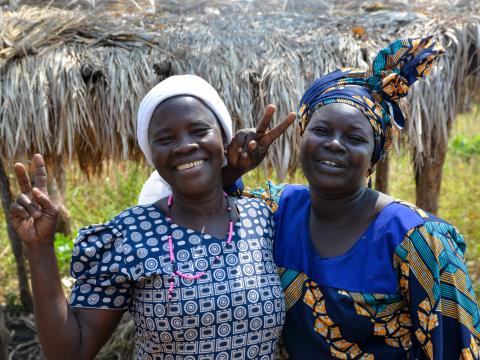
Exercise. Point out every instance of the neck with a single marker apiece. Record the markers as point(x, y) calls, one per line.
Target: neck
point(334, 208)
point(207, 204)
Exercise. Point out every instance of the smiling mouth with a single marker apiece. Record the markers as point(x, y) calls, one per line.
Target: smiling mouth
point(331, 164)
point(190, 165)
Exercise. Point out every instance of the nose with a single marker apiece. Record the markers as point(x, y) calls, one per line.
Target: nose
point(335, 144)
point(185, 146)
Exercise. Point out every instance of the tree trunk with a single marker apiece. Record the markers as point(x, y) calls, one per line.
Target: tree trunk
point(16, 243)
point(381, 176)
point(428, 179)
point(4, 336)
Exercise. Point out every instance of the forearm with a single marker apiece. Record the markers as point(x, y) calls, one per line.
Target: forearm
point(230, 174)
point(57, 326)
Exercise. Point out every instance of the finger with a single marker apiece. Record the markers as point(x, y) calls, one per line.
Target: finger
point(17, 211)
point(44, 201)
point(252, 146)
point(237, 141)
point(24, 201)
point(241, 139)
point(246, 141)
point(266, 119)
point(40, 173)
point(278, 130)
point(22, 179)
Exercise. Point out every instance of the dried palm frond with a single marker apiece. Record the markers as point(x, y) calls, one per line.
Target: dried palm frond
point(70, 88)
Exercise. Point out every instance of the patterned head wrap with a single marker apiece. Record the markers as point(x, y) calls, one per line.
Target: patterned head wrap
point(375, 91)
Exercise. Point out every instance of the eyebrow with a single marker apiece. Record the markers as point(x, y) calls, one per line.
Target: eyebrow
point(196, 122)
point(354, 126)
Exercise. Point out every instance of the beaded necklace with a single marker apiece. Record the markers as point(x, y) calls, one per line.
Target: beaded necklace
point(177, 272)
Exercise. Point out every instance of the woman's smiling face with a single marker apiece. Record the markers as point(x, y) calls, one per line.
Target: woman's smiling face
point(337, 149)
point(186, 143)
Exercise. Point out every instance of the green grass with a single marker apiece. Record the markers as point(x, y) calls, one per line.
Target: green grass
point(105, 195)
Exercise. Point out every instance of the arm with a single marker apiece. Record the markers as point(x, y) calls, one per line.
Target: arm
point(435, 281)
point(249, 146)
point(64, 333)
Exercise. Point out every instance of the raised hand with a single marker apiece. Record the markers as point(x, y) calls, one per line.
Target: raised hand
point(33, 215)
point(249, 146)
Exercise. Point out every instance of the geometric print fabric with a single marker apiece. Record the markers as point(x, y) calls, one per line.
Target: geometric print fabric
point(236, 310)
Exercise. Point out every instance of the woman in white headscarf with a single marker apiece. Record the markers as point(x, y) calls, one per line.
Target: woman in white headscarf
point(194, 268)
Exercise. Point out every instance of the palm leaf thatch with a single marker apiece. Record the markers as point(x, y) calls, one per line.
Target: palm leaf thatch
point(71, 80)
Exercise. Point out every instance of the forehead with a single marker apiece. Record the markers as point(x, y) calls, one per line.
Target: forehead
point(340, 114)
point(183, 109)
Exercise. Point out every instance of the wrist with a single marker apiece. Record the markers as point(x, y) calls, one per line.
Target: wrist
point(39, 250)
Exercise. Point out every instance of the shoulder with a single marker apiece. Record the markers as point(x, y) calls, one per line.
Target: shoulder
point(116, 231)
point(273, 194)
point(290, 191)
point(438, 236)
point(433, 239)
point(252, 206)
point(400, 217)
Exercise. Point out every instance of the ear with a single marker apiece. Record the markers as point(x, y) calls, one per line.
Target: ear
point(370, 169)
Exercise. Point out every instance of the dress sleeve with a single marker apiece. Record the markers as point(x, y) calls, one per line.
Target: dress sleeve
point(236, 189)
point(98, 266)
point(434, 279)
point(270, 194)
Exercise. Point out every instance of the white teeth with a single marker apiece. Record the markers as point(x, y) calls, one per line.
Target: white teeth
point(189, 165)
point(330, 163)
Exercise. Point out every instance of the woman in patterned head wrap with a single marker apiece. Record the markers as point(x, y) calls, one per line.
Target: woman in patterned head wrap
point(365, 276)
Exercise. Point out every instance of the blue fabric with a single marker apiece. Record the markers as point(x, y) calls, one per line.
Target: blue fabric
point(235, 189)
point(428, 310)
point(366, 267)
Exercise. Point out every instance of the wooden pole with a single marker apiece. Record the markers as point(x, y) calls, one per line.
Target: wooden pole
point(381, 175)
point(428, 179)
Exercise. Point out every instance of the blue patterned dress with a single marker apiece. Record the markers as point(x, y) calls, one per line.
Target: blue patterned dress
point(401, 292)
point(235, 311)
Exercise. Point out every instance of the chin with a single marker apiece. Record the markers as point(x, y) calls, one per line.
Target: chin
point(198, 185)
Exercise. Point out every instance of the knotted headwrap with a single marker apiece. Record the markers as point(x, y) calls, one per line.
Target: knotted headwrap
point(375, 91)
point(156, 187)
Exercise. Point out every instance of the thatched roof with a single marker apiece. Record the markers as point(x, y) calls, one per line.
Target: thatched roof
point(71, 80)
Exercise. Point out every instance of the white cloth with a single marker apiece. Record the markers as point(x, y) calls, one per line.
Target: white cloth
point(155, 187)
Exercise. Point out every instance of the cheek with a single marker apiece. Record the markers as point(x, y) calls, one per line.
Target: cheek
point(158, 153)
point(363, 159)
point(214, 143)
point(307, 150)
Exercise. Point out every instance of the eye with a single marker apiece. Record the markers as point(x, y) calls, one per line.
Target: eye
point(164, 140)
point(200, 131)
point(357, 139)
point(319, 130)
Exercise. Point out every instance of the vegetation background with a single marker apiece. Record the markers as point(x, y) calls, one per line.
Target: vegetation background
point(98, 199)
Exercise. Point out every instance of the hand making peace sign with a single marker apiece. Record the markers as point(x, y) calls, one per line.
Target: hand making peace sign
point(33, 215)
point(249, 146)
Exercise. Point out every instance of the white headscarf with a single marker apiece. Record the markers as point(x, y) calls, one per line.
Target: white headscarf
point(156, 187)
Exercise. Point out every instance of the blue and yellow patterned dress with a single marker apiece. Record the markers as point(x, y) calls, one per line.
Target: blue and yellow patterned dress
point(401, 292)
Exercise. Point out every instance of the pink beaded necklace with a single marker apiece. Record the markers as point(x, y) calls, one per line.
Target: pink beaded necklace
point(198, 275)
